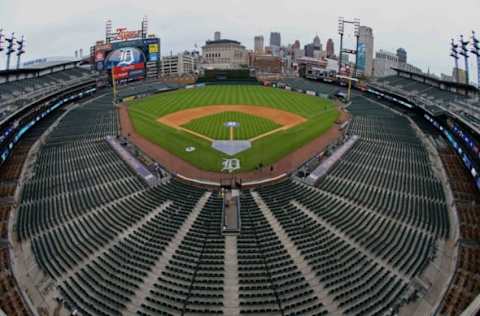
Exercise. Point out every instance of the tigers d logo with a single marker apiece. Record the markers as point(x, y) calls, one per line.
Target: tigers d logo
point(231, 165)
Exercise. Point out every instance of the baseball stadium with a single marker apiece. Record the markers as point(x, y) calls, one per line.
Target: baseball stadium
point(126, 190)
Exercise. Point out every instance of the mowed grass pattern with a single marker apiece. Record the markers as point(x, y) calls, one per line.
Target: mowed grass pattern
point(320, 114)
point(213, 126)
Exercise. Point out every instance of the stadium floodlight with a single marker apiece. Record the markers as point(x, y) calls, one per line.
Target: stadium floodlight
point(20, 50)
point(341, 26)
point(356, 23)
point(10, 49)
point(464, 53)
point(1, 40)
point(341, 32)
point(476, 51)
point(454, 55)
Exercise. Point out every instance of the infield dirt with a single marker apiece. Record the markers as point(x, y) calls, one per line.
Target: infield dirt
point(284, 118)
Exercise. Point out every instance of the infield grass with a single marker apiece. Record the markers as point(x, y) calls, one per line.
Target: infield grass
point(214, 127)
point(320, 114)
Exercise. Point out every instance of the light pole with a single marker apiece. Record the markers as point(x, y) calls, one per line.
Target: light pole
point(464, 53)
point(20, 51)
point(476, 51)
point(454, 55)
point(10, 49)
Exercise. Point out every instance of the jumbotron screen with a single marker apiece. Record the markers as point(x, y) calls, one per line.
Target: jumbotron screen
point(126, 60)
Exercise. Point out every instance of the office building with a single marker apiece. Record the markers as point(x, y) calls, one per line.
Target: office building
point(317, 43)
point(217, 36)
point(180, 64)
point(224, 54)
point(330, 48)
point(402, 55)
point(275, 39)
point(365, 62)
point(259, 44)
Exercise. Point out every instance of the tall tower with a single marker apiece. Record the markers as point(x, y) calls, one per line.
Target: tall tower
point(217, 36)
point(366, 43)
point(464, 53)
point(330, 48)
point(454, 55)
point(20, 51)
point(259, 44)
point(145, 27)
point(402, 56)
point(108, 30)
point(1, 40)
point(275, 39)
point(476, 51)
point(10, 49)
point(317, 43)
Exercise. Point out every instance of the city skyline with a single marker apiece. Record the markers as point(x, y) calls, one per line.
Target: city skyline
point(79, 25)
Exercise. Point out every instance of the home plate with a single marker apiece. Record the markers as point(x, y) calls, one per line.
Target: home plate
point(231, 147)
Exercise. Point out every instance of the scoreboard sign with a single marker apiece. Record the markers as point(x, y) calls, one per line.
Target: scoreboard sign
point(122, 34)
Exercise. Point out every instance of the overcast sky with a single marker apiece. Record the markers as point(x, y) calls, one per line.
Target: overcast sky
point(423, 27)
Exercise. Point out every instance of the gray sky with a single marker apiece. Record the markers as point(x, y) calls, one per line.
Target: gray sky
point(423, 27)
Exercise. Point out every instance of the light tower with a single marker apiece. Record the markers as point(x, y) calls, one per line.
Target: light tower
point(341, 32)
point(20, 51)
point(1, 40)
point(10, 49)
point(454, 55)
point(476, 51)
point(464, 53)
point(108, 30)
point(145, 27)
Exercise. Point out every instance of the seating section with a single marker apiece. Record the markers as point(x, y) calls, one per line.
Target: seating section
point(430, 97)
point(388, 170)
point(75, 171)
point(269, 281)
point(304, 84)
point(114, 246)
point(359, 284)
point(106, 280)
point(465, 286)
point(192, 282)
point(10, 300)
point(14, 94)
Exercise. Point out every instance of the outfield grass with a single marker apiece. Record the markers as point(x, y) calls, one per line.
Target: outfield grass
point(213, 126)
point(320, 114)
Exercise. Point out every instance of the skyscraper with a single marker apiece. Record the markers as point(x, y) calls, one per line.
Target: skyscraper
point(296, 45)
point(365, 51)
point(330, 48)
point(309, 50)
point(275, 39)
point(217, 36)
point(402, 55)
point(317, 43)
point(259, 44)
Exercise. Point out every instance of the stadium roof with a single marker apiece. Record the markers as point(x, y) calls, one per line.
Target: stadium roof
point(223, 41)
point(466, 87)
point(36, 67)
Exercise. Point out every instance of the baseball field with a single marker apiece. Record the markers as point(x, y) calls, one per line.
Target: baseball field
point(276, 122)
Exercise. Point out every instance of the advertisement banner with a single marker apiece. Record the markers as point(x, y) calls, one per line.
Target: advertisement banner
point(361, 57)
point(153, 48)
point(99, 55)
point(126, 63)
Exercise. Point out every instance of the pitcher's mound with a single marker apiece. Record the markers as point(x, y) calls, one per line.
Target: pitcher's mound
point(231, 147)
